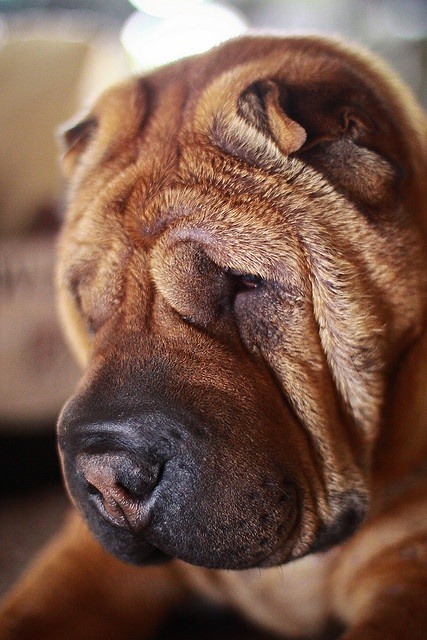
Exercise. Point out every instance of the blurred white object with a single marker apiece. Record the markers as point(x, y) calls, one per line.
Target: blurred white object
point(49, 69)
point(162, 8)
point(193, 28)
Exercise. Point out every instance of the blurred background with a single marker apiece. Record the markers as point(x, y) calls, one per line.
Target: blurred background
point(55, 57)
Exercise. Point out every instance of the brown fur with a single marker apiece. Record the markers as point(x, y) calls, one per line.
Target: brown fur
point(301, 161)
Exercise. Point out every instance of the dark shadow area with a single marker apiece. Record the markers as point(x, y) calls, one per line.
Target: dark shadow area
point(210, 625)
point(27, 461)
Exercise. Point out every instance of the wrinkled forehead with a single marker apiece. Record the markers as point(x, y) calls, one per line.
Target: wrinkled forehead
point(208, 149)
point(226, 98)
point(172, 143)
point(244, 220)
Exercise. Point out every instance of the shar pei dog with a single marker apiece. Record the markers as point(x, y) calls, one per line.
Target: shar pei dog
point(242, 273)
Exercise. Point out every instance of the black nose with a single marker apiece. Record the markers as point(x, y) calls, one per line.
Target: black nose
point(120, 488)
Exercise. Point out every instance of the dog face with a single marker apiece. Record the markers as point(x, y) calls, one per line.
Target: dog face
point(241, 270)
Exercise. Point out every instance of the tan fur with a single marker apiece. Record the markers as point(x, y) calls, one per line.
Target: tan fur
point(243, 151)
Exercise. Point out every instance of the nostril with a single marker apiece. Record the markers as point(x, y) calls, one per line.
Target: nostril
point(92, 490)
point(107, 504)
point(118, 487)
point(110, 508)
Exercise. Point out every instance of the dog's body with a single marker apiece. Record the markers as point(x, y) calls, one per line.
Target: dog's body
point(243, 271)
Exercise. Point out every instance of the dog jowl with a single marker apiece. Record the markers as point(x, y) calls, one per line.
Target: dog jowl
point(241, 269)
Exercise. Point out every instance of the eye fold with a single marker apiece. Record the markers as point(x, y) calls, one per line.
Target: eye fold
point(90, 322)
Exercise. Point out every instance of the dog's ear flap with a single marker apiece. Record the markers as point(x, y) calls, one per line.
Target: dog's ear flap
point(73, 140)
point(340, 128)
point(350, 140)
point(263, 105)
point(296, 119)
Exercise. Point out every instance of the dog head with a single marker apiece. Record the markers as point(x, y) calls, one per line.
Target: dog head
point(241, 270)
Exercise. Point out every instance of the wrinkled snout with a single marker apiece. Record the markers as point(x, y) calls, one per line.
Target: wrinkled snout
point(214, 478)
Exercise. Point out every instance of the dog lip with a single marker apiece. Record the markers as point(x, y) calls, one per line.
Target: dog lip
point(153, 557)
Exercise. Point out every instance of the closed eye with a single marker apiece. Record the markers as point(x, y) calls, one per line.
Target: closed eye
point(245, 281)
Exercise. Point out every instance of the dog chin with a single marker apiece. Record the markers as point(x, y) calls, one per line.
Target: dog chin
point(136, 548)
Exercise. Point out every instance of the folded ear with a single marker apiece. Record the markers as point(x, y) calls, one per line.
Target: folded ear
point(116, 116)
point(262, 106)
point(351, 140)
point(253, 125)
point(73, 140)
